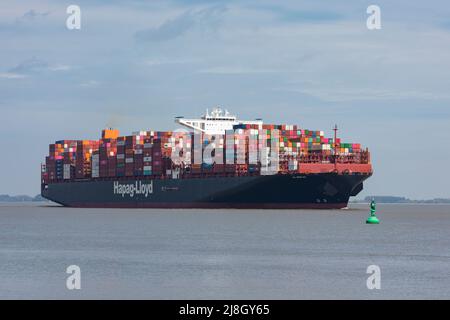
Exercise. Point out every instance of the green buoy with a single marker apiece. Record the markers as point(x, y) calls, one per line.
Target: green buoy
point(372, 219)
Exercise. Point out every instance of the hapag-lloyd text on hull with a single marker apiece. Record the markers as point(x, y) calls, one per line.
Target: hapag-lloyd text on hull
point(132, 189)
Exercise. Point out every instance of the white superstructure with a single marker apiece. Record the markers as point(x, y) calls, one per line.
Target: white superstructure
point(215, 122)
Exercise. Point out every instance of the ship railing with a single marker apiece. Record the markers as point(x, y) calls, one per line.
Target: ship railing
point(353, 158)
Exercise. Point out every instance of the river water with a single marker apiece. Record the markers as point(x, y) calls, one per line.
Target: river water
point(224, 254)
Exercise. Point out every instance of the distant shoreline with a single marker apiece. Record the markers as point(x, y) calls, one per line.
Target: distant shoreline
point(400, 200)
point(22, 198)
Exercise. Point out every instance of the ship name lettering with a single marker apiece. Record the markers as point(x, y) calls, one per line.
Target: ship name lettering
point(131, 189)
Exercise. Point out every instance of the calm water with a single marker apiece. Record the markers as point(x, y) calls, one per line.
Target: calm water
point(224, 254)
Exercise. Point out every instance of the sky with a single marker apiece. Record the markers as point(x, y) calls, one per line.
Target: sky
point(135, 65)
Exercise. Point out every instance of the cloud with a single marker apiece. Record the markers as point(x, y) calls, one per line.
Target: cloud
point(34, 66)
point(29, 19)
point(11, 75)
point(166, 61)
point(31, 15)
point(168, 30)
point(60, 67)
point(90, 84)
point(309, 16)
point(179, 25)
point(364, 94)
point(241, 70)
point(294, 15)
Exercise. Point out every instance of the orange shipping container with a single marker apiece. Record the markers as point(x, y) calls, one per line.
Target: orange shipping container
point(110, 134)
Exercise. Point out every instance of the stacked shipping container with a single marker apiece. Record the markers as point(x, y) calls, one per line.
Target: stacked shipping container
point(240, 151)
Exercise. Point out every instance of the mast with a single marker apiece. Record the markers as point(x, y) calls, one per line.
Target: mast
point(335, 129)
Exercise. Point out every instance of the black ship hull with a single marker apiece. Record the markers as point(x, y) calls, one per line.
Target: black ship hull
point(325, 190)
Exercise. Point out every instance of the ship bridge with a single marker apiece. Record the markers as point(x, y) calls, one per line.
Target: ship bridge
point(215, 122)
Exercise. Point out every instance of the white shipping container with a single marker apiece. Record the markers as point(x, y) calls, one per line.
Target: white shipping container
point(129, 160)
point(95, 166)
point(95, 163)
point(138, 151)
point(148, 168)
point(66, 171)
point(120, 156)
point(147, 159)
point(293, 165)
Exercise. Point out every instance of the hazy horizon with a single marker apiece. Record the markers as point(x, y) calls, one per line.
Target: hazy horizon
point(136, 65)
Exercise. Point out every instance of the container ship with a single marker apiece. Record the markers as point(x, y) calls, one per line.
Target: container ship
point(216, 161)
